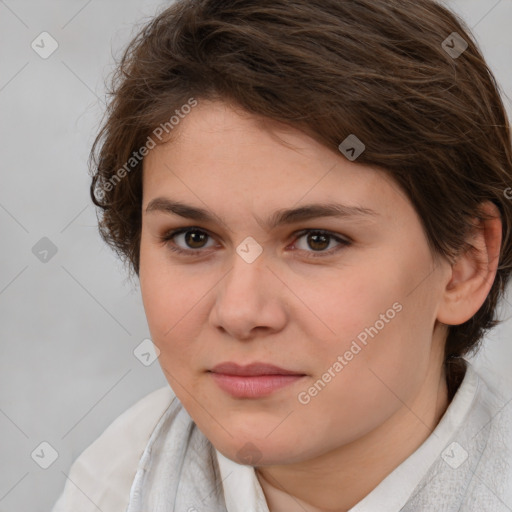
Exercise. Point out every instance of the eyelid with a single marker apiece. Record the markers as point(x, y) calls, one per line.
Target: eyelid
point(167, 237)
point(343, 241)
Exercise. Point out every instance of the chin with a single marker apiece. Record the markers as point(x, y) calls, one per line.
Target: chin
point(256, 451)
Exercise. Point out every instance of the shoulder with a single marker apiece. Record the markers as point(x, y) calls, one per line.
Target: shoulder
point(102, 475)
point(495, 439)
point(483, 451)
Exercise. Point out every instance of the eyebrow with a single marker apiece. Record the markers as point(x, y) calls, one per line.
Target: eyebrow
point(277, 218)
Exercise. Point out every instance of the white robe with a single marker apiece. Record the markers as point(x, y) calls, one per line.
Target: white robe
point(153, 458)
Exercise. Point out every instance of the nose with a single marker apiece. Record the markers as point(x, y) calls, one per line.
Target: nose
point(249, 300)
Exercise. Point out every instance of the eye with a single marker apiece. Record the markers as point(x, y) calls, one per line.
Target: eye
point(191, 238)
point(193, 242)
point(319, 240)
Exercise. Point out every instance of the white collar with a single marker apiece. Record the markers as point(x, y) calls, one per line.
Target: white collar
point(242, 490)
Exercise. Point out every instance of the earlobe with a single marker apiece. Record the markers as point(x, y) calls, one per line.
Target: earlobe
point(473, 273)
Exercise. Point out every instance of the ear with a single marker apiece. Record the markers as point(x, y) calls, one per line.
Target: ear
point(473, 272)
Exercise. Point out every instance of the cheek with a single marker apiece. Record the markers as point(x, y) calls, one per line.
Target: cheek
point(169, 297)
point(361, 305)
point(354, 394)
point(378, 329)
point(385, 347)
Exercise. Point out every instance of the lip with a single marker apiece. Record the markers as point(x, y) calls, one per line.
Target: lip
point(255, 380)
point(253, 369)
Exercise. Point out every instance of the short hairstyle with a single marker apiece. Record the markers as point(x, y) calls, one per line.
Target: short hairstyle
point(406, 78)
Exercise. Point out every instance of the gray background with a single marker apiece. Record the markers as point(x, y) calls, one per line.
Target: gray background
point(69, 325)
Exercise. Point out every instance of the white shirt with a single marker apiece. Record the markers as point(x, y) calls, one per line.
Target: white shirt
point(464, 465)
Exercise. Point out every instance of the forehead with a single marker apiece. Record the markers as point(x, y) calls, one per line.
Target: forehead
point(222, 155)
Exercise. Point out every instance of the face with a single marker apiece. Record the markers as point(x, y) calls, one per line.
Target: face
point(344, 301)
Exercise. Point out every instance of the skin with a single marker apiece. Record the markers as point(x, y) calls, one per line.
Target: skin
point(301, 312)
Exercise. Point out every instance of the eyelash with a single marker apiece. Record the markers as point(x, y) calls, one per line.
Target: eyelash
point(167, 237)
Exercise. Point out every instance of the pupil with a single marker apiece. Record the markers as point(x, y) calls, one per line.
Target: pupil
point(192, 237)
point(318, 238)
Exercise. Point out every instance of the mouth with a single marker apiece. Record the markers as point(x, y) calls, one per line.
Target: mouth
point(255, 380)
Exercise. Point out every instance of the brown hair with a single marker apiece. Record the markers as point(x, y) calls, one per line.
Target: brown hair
point(379, 69)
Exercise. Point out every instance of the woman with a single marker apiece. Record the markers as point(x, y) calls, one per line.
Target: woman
point(313, 195)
